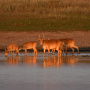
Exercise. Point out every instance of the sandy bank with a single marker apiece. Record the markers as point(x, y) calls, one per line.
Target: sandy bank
point(82, 38)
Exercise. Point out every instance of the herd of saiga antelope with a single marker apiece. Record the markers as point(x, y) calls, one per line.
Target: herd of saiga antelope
point(50, 44)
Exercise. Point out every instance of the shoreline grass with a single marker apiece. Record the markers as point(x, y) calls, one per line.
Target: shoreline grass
point(29, 15)
point(42, 24)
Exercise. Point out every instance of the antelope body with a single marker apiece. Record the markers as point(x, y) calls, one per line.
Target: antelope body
point(69, 43)
point(51, 44)
point(29, 45)
point(11, 48)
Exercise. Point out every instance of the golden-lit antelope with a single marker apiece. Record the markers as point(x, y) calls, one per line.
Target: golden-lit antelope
point(68, 43)
point(51, 44)
point(11, 48)
point(29, 45)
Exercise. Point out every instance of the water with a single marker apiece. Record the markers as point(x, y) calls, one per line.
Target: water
point(48, 73)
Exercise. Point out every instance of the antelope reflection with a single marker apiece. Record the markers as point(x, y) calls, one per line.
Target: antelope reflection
point(71, 60)
point(29, 60)
point(52, 61)
point(58, 61)
point(12, 60)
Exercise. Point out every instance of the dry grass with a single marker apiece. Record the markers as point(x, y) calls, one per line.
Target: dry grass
point(45, 8)
point(28, 15)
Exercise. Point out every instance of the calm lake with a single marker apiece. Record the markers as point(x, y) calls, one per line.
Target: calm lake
point(71, 72)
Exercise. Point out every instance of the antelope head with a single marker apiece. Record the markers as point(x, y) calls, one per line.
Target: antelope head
point(41, 39)
point(20, 48)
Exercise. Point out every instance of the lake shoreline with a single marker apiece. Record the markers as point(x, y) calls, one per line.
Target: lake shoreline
point(82, 38)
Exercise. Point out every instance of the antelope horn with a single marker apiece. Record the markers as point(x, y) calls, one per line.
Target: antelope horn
point(43, 36)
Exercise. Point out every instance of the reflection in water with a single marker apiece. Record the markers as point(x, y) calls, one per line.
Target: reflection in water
point(56, 61)
point(12, 60)
point(26, 73)
point(29, 60)
point(52, 61)
point(25, 59)
point(71, 60)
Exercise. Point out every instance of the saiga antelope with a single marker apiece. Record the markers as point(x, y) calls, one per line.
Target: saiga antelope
point(11, 48)
point(68, 43)
point(51, 44)
point(29, 45)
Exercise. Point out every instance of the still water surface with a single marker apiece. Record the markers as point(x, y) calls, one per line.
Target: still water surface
point(48, 73)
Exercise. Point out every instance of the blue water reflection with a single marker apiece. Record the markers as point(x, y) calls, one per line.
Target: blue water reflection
point(48, 73)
